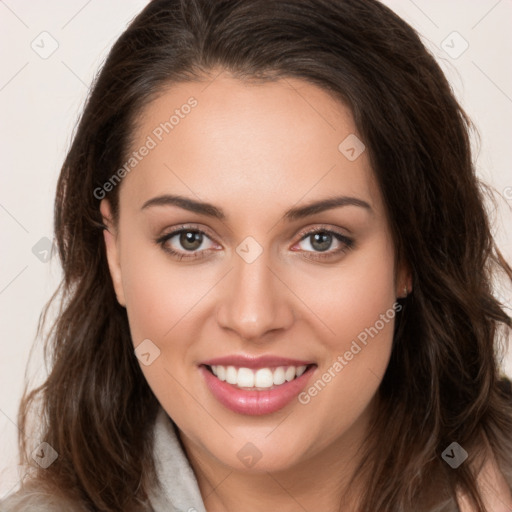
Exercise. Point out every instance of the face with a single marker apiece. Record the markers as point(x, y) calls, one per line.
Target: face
point(243, 268)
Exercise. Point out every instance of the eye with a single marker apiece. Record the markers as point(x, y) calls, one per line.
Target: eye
point(321, 240)
point(191, 243)
point(185, 243)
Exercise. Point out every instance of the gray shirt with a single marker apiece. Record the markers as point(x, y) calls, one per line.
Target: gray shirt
point(179, 491)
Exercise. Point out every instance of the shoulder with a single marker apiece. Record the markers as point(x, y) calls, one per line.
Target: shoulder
point(33, 498)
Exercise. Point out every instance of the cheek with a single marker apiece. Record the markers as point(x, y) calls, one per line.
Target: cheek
point(350, 297)
point(357, 308)
point(158, 292)
point(161, 300)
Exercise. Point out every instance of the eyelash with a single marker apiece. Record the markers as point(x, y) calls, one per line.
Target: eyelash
point(348, 243)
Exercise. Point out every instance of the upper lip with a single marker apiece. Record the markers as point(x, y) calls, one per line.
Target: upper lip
point(246, 361)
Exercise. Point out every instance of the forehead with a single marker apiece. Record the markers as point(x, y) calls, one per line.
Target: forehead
point(227, 140)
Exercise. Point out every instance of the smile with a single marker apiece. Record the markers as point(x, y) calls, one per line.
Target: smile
point(263, 378)
point(256, 391)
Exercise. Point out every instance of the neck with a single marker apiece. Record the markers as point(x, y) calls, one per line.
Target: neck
point(320, 482)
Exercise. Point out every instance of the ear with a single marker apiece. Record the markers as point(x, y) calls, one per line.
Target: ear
point(403, 280)
point(111, 244)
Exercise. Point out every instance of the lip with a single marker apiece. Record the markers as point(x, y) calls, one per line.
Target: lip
point(244, 361)
point(255, 403)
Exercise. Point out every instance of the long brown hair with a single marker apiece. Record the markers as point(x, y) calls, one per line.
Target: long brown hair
point(442, 384)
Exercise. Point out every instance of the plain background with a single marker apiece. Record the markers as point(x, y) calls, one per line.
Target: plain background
point(41, 96)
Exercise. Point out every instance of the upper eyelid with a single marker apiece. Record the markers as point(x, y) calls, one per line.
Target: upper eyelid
point(180, 229)
point(307, 231)
point(304, 233)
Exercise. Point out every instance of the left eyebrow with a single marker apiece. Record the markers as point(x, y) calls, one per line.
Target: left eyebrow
point(323, 205)
point(292, 214)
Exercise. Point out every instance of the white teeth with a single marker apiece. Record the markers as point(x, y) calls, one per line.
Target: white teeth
point(301, 370)
point(279, 376)
point(263, 378)
point(231, 375)
point(245, 378)
point(221, 372)
point(290, 373)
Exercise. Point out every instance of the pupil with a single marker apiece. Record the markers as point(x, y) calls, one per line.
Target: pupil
point(191, 240)
point(324, 240)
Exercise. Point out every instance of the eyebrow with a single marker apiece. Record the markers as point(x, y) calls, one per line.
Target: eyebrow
point(292, 214)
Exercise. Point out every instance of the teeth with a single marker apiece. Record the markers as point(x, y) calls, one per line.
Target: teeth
point(263, 378)
point(290, 373)
point(301, 370)
point(221, 372)
point(279, 376)
point(231, 374)
point(245, 378)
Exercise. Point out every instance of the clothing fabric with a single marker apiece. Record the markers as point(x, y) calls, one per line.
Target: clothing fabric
point(179, 491)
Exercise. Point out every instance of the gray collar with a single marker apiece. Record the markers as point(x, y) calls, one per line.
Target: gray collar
point(179, 490)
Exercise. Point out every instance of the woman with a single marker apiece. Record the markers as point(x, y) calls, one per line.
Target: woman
point(277, 276)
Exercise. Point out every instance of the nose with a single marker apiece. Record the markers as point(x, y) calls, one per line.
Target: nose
point(255, 300)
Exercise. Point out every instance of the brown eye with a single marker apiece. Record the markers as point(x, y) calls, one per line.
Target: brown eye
point(185, 243)
point(191, 240)
point(321, 241)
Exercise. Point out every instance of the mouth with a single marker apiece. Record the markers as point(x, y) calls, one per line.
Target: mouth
point(260, 379)
point(256, 391)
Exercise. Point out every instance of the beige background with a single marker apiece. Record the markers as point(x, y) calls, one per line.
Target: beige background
point(40, 99)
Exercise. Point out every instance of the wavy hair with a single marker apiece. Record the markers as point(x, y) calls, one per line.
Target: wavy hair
point(443, 381)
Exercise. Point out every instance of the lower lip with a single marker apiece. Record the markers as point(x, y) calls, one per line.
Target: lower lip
point(255, 403)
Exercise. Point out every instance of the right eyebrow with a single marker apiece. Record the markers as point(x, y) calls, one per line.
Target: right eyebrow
point(187, 204)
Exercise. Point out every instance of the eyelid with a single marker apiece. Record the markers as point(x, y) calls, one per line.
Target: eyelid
point(303, 234)
point(187, 227)
point(320, 227)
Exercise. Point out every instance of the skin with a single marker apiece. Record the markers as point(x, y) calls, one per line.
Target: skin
point(256, 150)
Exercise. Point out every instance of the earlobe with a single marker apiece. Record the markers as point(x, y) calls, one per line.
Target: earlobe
point(404, 281)
point(112, 251)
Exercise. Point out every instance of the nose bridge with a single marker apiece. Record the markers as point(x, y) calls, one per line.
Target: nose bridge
point(255, 301)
